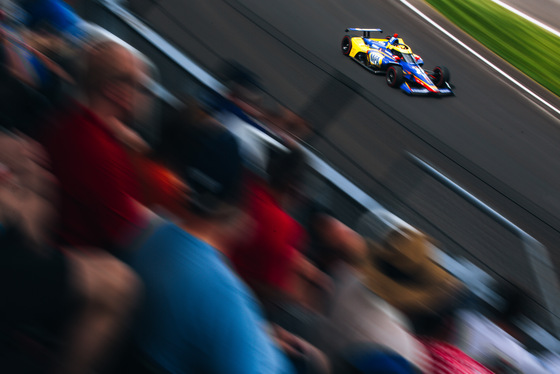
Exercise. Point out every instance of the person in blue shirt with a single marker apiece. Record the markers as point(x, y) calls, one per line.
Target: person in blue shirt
point(197, 315)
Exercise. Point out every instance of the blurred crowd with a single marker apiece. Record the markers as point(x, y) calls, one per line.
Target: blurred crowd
point(180, 253)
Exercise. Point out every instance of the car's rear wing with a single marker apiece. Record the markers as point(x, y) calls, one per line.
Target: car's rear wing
point(365, 31)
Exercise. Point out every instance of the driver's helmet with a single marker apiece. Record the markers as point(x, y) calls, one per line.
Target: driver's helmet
point(394, 39)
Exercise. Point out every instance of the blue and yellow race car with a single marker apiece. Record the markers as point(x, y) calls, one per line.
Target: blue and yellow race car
point(392, 57)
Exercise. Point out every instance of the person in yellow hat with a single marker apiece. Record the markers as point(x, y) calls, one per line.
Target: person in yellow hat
point(402, 271)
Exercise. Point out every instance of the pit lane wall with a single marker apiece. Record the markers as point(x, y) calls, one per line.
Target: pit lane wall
point(177, 73)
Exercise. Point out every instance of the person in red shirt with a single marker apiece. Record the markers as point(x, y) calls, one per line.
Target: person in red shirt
point(275, 244)
point(269, 259)
point(99, 188)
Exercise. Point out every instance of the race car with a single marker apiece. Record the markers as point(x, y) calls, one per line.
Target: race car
point(392, 57)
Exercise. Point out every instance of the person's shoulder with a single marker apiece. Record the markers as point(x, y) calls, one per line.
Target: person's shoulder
point(168, 236)
point(205, 262)
point(224, 276)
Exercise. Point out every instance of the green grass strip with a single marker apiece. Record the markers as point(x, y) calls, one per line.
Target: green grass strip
point(528, 47)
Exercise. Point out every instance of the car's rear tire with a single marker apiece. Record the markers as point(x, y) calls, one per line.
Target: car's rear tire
point(441, 75)
point(346, 45)
point(394, 76)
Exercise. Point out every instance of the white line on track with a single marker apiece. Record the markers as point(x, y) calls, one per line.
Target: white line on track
point(527, 17)
point(474, 53)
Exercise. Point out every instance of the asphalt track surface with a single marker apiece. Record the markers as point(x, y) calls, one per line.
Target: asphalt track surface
point(491, 138)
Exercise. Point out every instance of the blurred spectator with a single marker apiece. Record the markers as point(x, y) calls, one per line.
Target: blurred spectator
point(240, 111)
point(160, 189)
point(82, 301)
point(270, 257)
point(495, 340)
point(245, 108)
point(198, 316)
point(99, 187)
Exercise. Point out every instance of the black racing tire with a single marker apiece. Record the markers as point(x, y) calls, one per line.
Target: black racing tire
point(346, 45)
point(441, 75)
point(394, 76)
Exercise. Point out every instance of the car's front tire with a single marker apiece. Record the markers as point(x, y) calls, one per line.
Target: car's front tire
point(394, 76)
point(346, 45)
point(440, 76)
